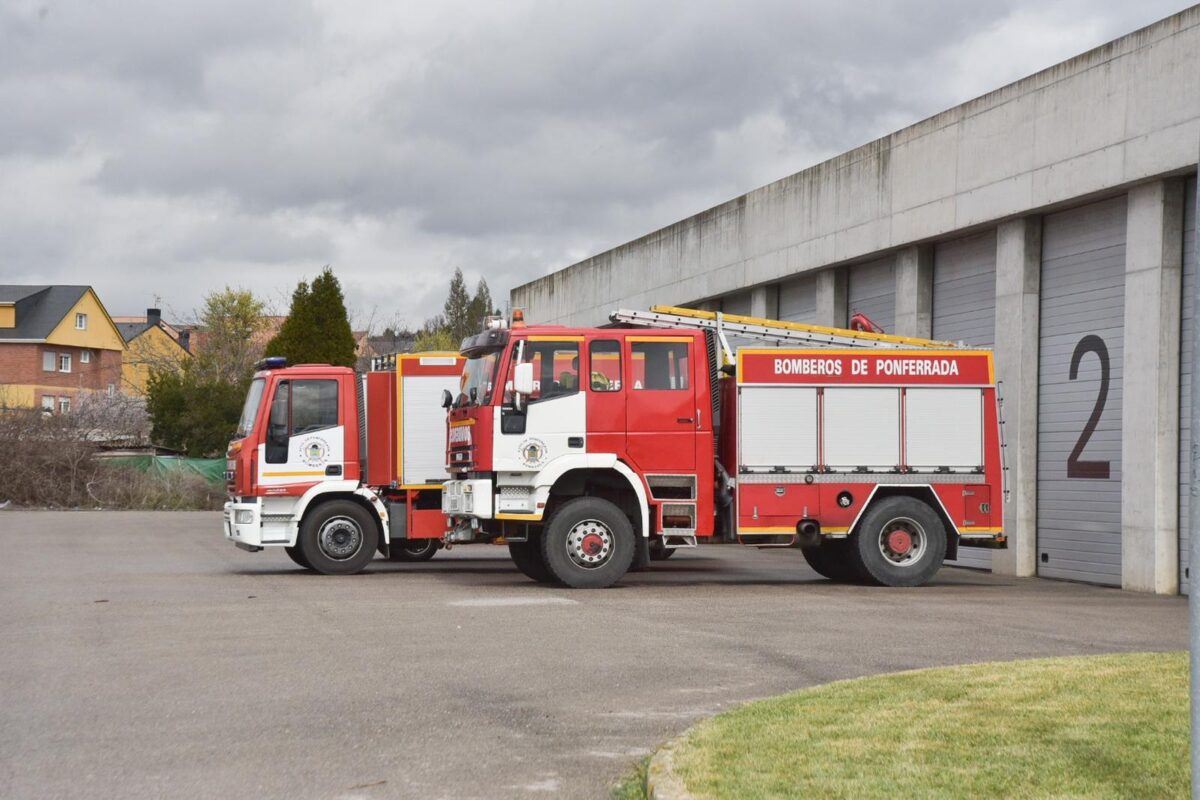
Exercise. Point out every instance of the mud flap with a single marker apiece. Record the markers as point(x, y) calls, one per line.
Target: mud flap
point(641, 554)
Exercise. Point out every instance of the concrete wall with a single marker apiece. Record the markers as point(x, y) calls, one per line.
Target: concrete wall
point(1120, 120)
point(1109, 118)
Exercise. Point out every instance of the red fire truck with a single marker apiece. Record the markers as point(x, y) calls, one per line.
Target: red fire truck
point(589, 449)
point(334, 466)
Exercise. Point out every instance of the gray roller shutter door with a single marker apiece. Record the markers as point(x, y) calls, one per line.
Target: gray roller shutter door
point(798, 300)
point(736, 304)
point(871, 290)
point(1186, 359)
point(1082, 316)
point(964, 309)
point(739, 304)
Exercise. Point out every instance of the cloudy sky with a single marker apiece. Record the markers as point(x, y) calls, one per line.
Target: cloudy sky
point(161, 150)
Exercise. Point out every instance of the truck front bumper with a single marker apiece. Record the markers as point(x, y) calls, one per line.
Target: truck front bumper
point(244, 525)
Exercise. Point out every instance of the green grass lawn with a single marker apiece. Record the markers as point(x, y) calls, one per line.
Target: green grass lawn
point(1095, 727)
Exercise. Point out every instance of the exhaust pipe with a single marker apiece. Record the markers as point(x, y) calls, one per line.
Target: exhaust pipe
point(808, 533)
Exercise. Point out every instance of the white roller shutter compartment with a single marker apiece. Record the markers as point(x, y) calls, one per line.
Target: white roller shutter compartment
point(862, 428)
point(423, 455)
point(1081, 342)
point(778, 427)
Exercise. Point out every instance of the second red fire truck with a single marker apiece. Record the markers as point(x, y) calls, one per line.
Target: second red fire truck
point(333, 466)
point(589, 449)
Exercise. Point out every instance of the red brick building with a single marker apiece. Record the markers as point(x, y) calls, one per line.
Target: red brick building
point(55, 342)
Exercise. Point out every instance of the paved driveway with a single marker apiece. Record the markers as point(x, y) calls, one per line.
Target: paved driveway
point(142, 656)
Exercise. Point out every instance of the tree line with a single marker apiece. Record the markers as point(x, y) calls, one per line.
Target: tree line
point(194, 408)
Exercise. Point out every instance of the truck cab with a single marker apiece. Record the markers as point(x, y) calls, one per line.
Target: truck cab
point(615, 422)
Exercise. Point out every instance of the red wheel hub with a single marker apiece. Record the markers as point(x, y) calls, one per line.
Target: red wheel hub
point(899, 541)
point(592, 544)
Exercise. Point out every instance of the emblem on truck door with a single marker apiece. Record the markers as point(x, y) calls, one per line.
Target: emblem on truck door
point(314, 452)
point(532, 452)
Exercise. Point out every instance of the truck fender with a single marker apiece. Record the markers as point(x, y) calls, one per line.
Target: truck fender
point(564, 464)
point(922, 489)
point(341, 488)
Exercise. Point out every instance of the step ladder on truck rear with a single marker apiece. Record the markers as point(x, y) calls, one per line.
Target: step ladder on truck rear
point(592, 449)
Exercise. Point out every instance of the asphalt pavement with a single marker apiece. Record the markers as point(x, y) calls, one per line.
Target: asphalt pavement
point(141, 655)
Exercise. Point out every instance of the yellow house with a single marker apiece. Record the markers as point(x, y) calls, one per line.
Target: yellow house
point(149, 343)
point(55, 342)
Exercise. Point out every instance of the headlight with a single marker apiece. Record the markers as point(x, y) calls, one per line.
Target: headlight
point(245, 517)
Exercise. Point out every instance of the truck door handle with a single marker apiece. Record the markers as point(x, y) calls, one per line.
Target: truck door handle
point(333, 469)
point(685, 420)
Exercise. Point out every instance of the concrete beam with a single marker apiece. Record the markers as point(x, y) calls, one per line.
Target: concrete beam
point(831, 298)
point(1018, 281)
point(914, 291)
point(1150, 417)
point(764, 302)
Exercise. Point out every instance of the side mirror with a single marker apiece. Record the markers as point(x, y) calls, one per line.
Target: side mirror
point(523, 379)
point(447, 398)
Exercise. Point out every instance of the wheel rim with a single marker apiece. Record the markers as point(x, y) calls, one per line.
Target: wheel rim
point(340, 538)
point(590, 544)
point(902, 541)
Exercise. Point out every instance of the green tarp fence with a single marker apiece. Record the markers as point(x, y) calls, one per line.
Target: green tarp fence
point(211, 469)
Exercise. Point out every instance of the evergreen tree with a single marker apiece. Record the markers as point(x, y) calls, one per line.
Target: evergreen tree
point(317, 329)
point(456, 313)
point(481, 305)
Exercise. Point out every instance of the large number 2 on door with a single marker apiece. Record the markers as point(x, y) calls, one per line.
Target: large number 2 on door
point(1090, 469)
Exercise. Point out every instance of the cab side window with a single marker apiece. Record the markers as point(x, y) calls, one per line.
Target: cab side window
point(605, 366)
point(664, 365)
point(299, 407)
point(555, 370)
point(277, 424)
point(314, 406)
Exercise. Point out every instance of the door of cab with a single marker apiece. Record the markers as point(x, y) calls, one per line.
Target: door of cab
point(305, 437)
point(660, 403)
point(552, 421)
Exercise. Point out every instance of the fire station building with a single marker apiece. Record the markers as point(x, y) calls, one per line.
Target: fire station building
point(1054, 220)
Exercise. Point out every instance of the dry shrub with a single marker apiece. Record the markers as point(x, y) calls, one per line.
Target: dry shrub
point(49, 460)
point(116, 486)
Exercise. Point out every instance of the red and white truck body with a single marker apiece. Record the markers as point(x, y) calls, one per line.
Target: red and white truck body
point(817, 434)
point(578, 445)
point(351, 462)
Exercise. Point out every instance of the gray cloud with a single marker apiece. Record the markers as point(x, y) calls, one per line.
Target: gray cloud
point(185, 146)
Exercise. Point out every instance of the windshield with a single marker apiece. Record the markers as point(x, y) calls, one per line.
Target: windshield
point(478, 379)
point(250, 410)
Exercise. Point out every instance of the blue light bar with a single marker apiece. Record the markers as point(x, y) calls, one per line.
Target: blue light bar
point(271, 362)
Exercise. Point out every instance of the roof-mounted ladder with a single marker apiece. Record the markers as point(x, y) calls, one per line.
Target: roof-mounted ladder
point(769, 330)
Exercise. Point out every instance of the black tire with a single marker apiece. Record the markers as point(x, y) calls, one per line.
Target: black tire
point(900, 541)
point(295, 555)
point(588, 544)
point(659, 551)
point(528, 558)
point(832, 559)
point(338, 538)
point(414, 549)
